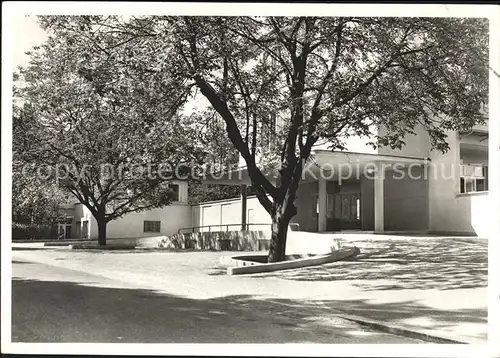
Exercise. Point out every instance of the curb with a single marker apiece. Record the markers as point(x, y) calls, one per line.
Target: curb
point(393, 329)
point(398, 330)
point(249, 267)
point(102, 248)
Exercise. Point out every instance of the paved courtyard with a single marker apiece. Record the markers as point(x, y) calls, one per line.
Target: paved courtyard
point(428, 285)
point(417, 263)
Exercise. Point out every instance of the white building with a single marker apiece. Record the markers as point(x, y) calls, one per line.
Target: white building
point(447, 194)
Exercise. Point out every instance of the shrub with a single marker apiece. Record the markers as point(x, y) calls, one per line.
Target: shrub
point(21, 231)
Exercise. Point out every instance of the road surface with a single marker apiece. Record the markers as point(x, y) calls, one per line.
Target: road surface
point(54, 304)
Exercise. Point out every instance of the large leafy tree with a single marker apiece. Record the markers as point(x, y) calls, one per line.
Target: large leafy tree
point(106, 132)
point(327, 78)
point(308, 79)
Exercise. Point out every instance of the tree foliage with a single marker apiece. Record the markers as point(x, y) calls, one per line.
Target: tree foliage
point(200, 192)
point(33, 200)
point(291, 82)
point(101, 125)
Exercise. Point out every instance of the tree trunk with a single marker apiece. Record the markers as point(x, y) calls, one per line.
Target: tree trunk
point(281, 214)
point(101, 227)
point(279, 232)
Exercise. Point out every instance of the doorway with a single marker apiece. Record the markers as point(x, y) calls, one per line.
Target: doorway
point(85, 229)
point(347, 211)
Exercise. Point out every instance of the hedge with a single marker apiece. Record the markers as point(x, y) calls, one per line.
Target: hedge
point(21, 231)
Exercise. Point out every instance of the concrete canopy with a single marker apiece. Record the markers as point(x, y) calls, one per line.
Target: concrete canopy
point(330, 164)
point(349, 165)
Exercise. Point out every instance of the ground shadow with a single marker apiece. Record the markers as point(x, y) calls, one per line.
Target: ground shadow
point(62, 311)
point(443, 264)
point(387, 313)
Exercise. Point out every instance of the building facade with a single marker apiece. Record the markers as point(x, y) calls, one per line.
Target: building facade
point(413, 189)
point(79, 222)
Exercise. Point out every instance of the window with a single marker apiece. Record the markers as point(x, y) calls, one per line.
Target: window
point(151, 226)
point(175, 189)
point(473, 178)
point(348, 206)
point(358, 209)
point(68, 220)
point(315, 205)
point(329, 205)
point(85, 229)
point(78, 229)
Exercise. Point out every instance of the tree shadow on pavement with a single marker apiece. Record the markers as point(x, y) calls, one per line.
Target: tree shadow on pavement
point(443, 264)
point(88, 311)
point(62, 311)
point(393, 312)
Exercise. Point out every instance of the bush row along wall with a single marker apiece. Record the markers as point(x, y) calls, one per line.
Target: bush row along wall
point(21, 231)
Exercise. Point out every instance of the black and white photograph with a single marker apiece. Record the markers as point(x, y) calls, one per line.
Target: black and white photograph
point(301, 179)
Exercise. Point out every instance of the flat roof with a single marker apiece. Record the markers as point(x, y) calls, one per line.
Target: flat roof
point(319, 157)
point(370, 154)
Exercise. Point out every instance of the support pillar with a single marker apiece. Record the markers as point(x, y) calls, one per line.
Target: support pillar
point(379, 199)
point(322, 203)
point(243, 195)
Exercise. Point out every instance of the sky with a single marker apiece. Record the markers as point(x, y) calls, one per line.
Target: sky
point(27, 33)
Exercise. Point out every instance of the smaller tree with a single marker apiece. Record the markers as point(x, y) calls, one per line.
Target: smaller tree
point(33, 201)
point(34, 207)
point(104, 132)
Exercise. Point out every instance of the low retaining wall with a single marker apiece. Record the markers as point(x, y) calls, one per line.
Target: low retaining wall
point(220, 241)
point(298, 242)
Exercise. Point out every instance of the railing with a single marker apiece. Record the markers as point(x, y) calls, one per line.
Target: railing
point(247, 226)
